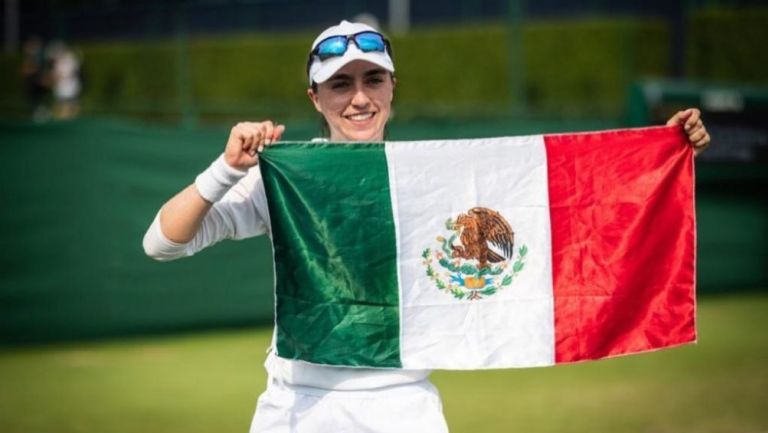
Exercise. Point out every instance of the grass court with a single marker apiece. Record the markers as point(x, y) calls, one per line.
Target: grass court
point(209, 382)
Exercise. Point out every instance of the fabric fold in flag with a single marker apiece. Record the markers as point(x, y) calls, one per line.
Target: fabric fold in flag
point(483, 253)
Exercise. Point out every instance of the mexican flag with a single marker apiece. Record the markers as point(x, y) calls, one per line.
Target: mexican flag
point(484, 253)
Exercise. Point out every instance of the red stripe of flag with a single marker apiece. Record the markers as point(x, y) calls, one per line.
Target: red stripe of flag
point(623, 241)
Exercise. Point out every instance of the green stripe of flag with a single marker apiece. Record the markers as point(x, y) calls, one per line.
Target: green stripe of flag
point(354, 318)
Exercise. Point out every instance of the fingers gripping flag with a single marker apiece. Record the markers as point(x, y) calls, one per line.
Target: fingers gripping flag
point(486, 253)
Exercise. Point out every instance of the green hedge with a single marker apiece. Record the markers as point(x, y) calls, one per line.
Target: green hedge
point(729, 45)
point(579, 67)
point(576, 65)
point(130, 74)
point(587, 65)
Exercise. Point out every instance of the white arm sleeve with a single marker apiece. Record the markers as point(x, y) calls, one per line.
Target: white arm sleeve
point(241, 213)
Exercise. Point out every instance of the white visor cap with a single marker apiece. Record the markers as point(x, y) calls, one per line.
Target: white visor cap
point(320, 70)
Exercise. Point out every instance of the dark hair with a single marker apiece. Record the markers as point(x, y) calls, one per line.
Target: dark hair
point(325, 130)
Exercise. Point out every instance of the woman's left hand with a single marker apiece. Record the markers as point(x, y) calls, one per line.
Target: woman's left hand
point(691, 121)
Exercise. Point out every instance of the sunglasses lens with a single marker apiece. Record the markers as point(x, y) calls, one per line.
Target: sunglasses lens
point(335, 46)
point(369, 41)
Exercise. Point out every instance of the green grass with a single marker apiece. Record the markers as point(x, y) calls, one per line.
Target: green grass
point(210, 382)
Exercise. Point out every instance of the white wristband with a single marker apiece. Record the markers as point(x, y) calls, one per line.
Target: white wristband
point(217, 179)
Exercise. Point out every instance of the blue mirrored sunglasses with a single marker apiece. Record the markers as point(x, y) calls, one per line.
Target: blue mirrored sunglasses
point(335, 46)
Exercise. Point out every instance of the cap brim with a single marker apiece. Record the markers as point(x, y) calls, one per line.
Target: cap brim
point(332, 65)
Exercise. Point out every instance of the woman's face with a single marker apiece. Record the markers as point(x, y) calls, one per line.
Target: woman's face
point(355, 101)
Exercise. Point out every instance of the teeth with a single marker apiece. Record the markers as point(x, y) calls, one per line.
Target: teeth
point(362, 116)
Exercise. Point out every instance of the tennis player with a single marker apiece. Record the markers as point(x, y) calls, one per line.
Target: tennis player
point(351, 83)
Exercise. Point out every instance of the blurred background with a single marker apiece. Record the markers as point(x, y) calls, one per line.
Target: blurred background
point(108, 107)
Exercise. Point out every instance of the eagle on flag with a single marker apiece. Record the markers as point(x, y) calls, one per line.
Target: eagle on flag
point(481, 229)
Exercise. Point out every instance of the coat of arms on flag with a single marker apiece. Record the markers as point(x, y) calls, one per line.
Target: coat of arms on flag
point(473, 261)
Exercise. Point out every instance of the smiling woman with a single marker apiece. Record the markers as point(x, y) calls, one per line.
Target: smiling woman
point(351, 81)
point(351, 84)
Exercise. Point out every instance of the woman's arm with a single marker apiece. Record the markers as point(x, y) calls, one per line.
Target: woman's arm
point(180, 218)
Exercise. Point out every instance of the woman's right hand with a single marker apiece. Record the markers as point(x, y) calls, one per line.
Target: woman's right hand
point(247, 139)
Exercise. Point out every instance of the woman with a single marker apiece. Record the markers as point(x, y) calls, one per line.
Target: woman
point(351, 77)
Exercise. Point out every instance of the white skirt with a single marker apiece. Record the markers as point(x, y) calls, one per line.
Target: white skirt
point(411, 407)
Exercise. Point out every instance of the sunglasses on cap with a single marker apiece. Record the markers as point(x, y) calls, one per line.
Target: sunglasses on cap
point(336, 46)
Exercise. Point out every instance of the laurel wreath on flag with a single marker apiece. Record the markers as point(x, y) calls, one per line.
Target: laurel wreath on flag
point(463, 279)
